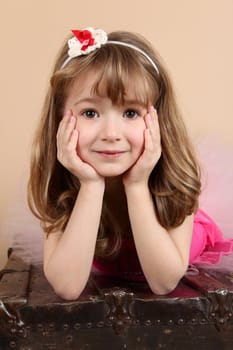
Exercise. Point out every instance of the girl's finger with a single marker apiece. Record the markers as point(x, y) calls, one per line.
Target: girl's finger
point(148, 140)
point(63, 123)
point(74, 139)
point(68, 124)
point(153, 125)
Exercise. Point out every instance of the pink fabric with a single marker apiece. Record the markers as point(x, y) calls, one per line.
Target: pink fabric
point(125, 266)
point(207, 246)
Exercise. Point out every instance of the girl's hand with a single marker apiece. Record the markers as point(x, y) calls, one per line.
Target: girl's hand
point(142, 169)
point(67, 140)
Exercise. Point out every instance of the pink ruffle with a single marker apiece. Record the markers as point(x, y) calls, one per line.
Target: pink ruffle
point(208, 244)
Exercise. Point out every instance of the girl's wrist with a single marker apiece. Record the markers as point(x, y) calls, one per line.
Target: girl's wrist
point(136, 187)
point(93, 186)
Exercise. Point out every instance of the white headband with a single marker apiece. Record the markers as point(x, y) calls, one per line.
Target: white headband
point(90, 39)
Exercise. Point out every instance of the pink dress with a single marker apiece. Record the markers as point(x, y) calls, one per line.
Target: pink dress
point(207, 246)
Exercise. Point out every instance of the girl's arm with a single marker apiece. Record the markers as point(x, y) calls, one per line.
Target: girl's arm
point(68, 255)
point(163, 255)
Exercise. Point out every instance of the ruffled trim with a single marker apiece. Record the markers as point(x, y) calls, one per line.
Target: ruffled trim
point(208, 245)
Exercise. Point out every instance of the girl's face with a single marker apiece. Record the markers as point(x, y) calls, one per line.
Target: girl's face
point(111, 137)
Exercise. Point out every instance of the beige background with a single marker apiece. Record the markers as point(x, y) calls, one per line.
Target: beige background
point(193, 36)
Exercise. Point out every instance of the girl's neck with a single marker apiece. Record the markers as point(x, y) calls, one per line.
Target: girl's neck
point(115, 200)
point(113, 185)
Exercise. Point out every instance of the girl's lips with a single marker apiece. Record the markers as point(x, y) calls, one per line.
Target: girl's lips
point(110, 154)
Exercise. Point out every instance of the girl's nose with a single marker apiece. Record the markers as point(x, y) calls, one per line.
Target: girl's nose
point(111, 130)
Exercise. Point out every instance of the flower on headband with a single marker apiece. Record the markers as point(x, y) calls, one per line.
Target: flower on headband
point(86, 41)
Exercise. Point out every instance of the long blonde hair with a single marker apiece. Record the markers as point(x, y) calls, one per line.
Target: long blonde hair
point(175, 181)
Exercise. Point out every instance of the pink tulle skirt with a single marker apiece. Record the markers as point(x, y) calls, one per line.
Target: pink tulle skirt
point(208, 244)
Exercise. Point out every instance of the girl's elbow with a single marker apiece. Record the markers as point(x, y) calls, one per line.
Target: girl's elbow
point(163, 289)
point(166, 287)
point(66, 291)
point(68, 294)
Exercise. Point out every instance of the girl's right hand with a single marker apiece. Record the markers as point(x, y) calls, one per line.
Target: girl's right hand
point(67, 140)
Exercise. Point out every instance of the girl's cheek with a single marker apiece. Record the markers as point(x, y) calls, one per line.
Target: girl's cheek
point(141, 134)
point(139, 140)
point(80, 152)
point(82, 144)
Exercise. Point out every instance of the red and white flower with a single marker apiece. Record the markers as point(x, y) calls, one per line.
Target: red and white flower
point(86, 41)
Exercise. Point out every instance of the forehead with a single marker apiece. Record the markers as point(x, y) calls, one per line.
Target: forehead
point(99, 83)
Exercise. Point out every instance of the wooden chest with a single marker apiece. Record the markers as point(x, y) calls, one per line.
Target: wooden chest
point(114, 315)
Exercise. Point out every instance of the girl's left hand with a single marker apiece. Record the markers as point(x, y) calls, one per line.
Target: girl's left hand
point(141, 170)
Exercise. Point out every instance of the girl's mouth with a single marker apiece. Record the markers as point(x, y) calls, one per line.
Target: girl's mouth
point(110, 153)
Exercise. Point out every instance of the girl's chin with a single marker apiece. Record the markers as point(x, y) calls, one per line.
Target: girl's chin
point(110, 171)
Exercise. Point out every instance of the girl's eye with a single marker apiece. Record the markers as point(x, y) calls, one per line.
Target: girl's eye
point(131, 114)
point(90, 113)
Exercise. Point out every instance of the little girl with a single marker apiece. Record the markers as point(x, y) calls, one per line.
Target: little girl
point(114, 178)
